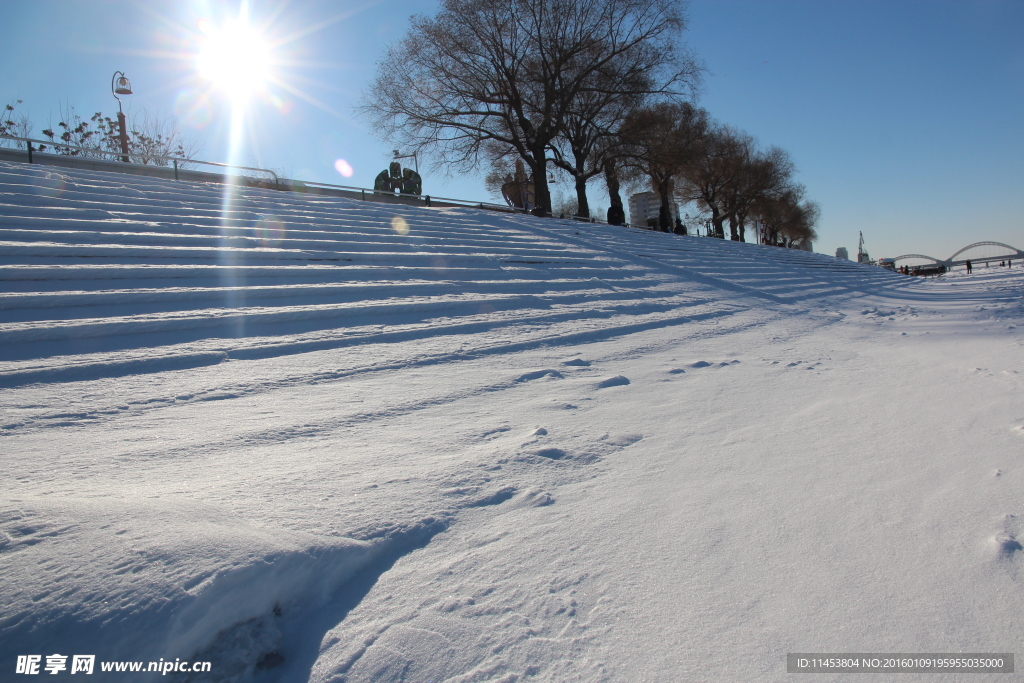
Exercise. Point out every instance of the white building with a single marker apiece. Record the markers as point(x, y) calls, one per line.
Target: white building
point(644, 206)
point(842, 253)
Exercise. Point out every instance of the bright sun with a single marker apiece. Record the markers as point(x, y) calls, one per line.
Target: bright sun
point(236, 58)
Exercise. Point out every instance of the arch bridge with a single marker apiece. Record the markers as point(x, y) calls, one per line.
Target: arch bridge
point(1010, 254)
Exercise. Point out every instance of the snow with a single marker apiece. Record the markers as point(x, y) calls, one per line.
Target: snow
point(487, 447)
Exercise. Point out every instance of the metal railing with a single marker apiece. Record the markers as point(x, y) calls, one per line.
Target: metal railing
point(96, 150)
point(297, 185)
point(286, 184)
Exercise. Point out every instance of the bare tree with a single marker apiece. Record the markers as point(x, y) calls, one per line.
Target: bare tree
point(19, 127)
point(151, 136)
point(498, 176)
point(787, 219)
point(762, 175)
point(730, 175)
point(588, 140)
point(154, 136)
point(578, 149)
point(509, 71)
point(717, 165)
point(79, 137)
point(660, 142)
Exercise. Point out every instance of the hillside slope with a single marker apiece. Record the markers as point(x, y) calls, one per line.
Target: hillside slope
point(98, 270)
point(305, 438)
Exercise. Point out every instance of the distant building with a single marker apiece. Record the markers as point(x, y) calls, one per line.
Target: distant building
point(842, 253)
point(645, 206)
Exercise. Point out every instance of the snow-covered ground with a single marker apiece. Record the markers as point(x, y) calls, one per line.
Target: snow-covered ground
point(306, 438)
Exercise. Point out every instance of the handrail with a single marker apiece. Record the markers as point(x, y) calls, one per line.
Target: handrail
point(148, 156)
point(291, 183)
point(384, 193)
point(427, 197)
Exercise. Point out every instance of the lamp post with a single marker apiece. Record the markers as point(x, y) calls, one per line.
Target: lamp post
point(415, 160)
point(121, 86)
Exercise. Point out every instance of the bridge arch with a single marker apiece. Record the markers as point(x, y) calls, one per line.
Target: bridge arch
point(924, 256)
point(1011, 253)
point(1017, 253)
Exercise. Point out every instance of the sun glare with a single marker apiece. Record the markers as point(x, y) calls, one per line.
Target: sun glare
point(236, 58)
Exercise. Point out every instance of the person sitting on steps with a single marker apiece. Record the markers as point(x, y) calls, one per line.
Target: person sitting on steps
point(412, 183)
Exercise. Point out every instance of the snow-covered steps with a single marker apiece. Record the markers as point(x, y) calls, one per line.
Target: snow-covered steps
point(96, 265)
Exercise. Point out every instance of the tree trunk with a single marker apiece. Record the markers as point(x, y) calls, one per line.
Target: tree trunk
point(616, 213)
point(583, 211)
point(611, 178)
point(734, 232)
point(665, 213)
point(541, 192)
point(716, 221)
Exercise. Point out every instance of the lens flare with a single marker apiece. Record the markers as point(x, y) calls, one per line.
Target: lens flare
point(284, 106)
point(193, 109)
point(344, 168)
point(399, 225)
point(269, 230)
point(50, 185)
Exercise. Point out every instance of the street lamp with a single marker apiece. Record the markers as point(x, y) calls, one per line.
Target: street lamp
point(121, 86)
point(406, 156)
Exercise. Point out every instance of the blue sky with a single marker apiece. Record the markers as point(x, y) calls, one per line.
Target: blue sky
point(904, 118)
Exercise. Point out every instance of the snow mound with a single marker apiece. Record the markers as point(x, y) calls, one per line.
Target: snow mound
point(144, 579)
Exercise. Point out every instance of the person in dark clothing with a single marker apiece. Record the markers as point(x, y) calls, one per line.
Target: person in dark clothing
point(968, 264)
point(382, 183)
point(616, 215)
point(412, 183)
point(664, 219)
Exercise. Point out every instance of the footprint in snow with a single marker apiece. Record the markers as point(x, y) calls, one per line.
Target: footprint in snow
point(582, 452)
point(706, 364)
point(493, 497)
point(533, 498)
point(621, 440)
point(532, 436)
point(1005, 540)
point(1007, 545)
point(578, 363)
point(493, 433)
point(537, 374)
point(676, 371)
